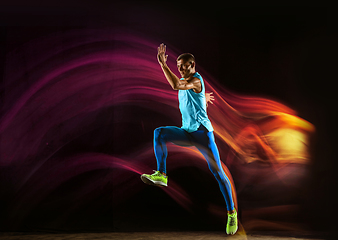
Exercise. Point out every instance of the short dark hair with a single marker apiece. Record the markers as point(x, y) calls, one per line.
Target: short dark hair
point(186, 57)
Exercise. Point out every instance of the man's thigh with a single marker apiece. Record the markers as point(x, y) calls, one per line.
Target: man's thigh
point(176, 135)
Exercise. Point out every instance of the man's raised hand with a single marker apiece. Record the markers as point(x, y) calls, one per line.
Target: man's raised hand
point(161, 57)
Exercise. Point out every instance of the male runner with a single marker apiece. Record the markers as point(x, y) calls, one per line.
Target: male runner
point(196, 129)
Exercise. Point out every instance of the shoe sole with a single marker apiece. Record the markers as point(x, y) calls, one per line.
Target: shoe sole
point(153, 183)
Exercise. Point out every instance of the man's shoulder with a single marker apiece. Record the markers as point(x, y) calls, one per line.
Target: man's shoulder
point(197, 75)
point(195, 81)
point(197, 78)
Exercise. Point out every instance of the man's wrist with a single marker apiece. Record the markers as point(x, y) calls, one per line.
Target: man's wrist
point(164, 65)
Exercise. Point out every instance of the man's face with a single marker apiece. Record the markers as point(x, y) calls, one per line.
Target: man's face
point(185, 68)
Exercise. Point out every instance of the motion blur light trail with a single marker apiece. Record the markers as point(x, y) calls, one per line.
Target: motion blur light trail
point(58, 89)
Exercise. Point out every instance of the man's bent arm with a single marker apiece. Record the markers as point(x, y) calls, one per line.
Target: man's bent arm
point(173, 80)
point(178, 84)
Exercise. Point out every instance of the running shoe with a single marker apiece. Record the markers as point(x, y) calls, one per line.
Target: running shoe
point(156, 179)
point(232, 224)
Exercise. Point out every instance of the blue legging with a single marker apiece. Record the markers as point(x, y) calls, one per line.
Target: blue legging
point(205, 143)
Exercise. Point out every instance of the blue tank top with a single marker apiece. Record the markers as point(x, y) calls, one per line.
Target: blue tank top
point(193, 108)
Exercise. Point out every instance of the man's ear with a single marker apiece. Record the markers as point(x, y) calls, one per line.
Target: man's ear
point(192, 64)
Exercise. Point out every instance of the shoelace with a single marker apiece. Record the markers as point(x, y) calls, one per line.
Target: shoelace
point(156, 173)
point(232, 220)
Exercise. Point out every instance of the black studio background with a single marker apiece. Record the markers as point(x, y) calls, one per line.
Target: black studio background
point(239, 46)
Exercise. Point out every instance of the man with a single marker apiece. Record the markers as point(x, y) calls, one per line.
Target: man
point(196, 129)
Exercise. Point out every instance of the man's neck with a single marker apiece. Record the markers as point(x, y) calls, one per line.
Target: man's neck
point(190, 76)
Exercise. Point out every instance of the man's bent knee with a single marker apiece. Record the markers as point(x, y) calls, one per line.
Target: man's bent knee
point(158, 132)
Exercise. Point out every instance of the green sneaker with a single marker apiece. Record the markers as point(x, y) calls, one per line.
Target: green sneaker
point(232, 224)
point(156, 179)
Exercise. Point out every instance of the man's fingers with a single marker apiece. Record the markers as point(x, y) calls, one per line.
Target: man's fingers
point(162, 58)
point(162, 47)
